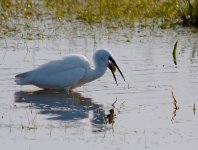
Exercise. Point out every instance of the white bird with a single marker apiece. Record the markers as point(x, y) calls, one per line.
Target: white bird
point(70, 72)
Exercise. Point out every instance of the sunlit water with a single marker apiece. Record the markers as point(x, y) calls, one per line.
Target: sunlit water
point(145, 114)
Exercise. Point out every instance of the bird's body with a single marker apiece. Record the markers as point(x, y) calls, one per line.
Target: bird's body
point(70, 72)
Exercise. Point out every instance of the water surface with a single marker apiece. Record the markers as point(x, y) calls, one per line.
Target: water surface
point(145, 113)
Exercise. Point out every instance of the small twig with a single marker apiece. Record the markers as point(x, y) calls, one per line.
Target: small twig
point(175, 108)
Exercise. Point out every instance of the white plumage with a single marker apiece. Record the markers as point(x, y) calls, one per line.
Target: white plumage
point(70, 72)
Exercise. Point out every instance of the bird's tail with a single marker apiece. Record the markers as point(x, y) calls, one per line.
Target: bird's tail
point(21, 79)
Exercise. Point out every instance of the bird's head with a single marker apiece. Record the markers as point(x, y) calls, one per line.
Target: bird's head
point(107, 57)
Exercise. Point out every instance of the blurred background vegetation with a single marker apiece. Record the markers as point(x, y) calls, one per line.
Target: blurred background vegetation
point(109, 13)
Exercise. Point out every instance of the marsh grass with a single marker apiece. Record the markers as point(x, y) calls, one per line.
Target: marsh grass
point(188, 12)
point(32, 118)
point(118, 13)
point(108, 13)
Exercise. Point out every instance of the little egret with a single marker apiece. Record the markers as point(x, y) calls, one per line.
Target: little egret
point(70, 72)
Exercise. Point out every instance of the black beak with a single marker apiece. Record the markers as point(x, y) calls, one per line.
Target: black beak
point(113, 69)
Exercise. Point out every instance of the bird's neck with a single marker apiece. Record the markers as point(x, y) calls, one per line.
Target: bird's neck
point(96, 72)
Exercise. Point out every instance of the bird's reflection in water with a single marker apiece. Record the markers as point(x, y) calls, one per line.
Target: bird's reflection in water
point(61, 106)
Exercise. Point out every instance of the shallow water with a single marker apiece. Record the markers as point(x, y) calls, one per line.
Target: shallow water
point(145, 114)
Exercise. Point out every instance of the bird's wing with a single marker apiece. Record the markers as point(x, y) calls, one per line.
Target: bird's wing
point(68, 63)
point(61, 80)
point(59, 70)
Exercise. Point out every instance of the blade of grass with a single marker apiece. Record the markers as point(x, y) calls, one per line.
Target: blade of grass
point(174, 53)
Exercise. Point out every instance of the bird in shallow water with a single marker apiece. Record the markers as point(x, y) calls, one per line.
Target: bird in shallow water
point(70, 72)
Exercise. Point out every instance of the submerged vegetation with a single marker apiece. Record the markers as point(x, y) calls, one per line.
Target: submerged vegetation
point(109, 13)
